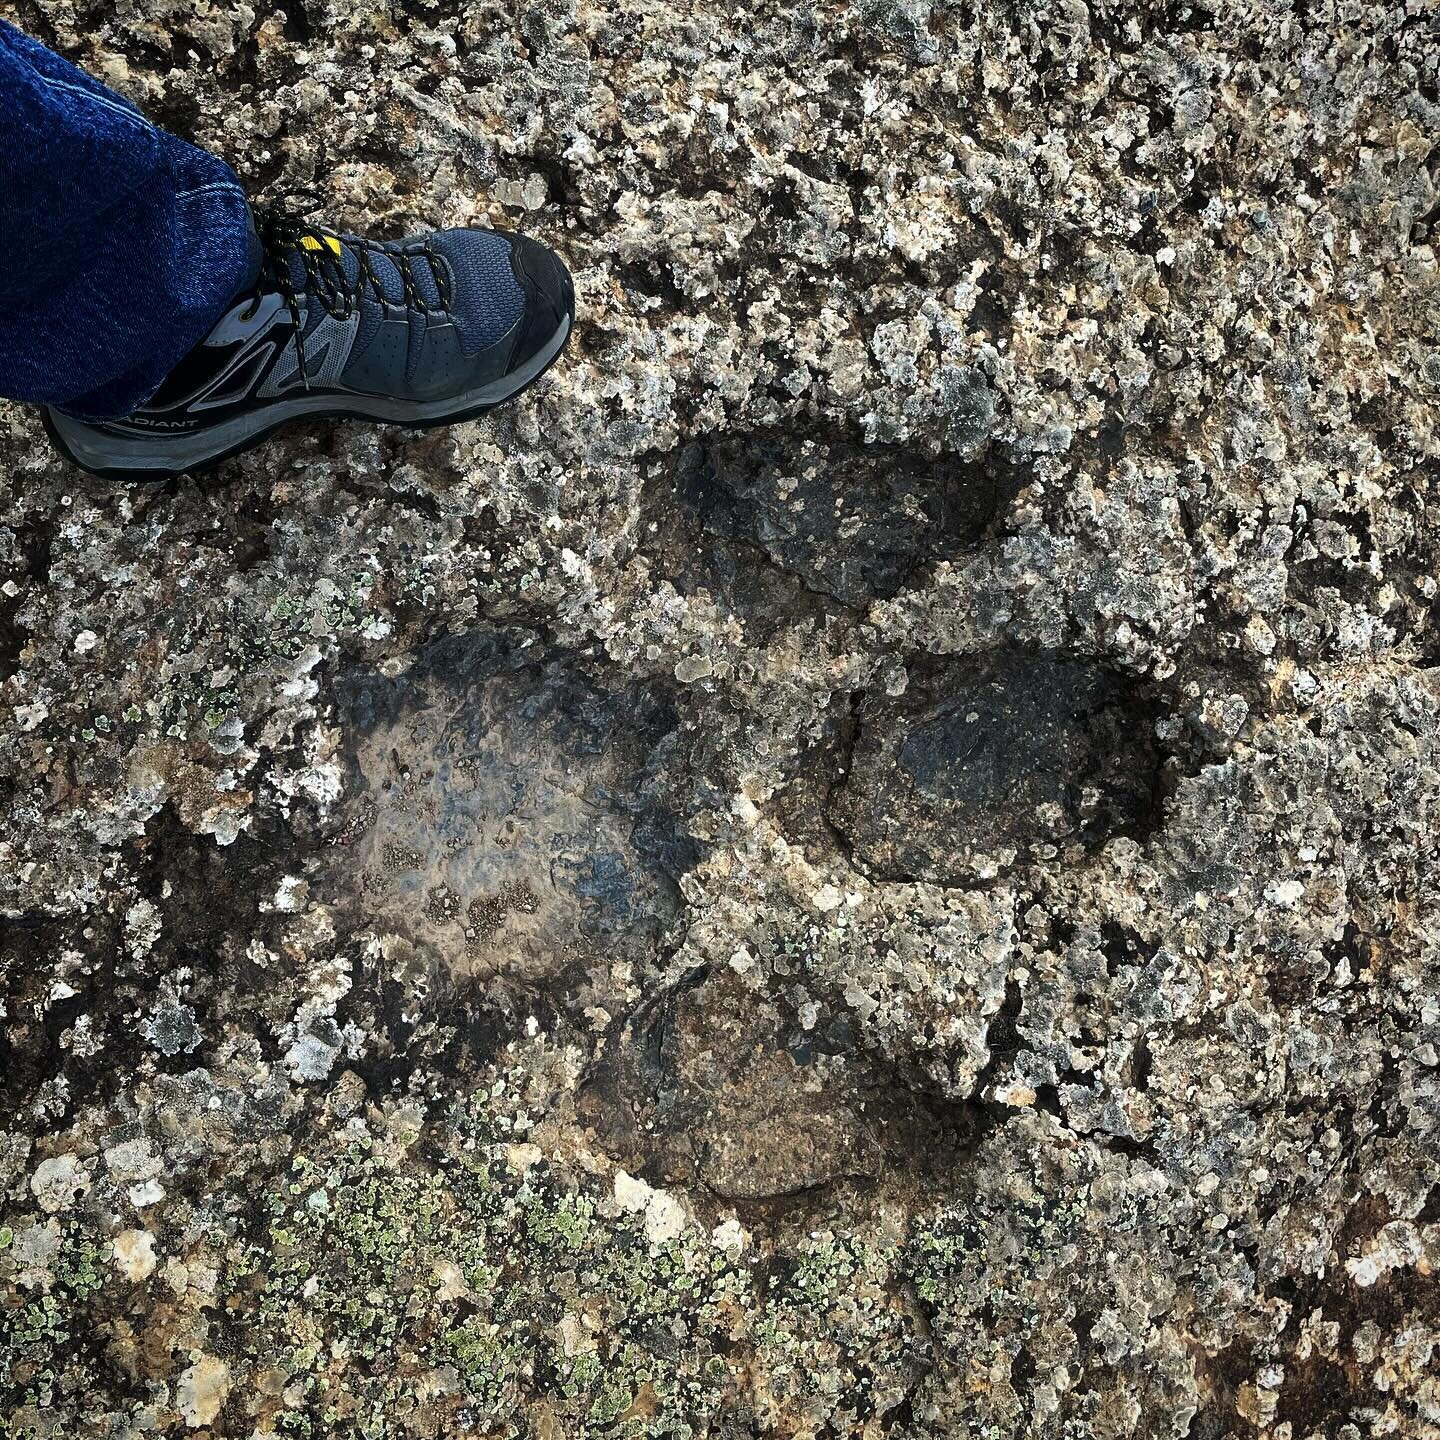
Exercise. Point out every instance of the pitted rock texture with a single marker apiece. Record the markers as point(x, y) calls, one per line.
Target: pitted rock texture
point(514, 930)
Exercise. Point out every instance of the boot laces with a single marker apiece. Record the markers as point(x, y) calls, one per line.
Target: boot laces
point(287, 233)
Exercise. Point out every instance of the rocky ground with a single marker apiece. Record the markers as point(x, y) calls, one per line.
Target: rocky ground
point(860, 863)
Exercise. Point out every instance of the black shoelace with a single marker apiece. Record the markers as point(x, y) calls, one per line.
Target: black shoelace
point(286, 233)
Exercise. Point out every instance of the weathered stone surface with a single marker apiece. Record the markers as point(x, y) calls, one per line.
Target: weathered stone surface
point(513, 931)
point(507, 813)
point(992, 757)
point(856, 522)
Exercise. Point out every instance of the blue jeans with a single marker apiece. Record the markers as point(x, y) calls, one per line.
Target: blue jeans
point(120, 245)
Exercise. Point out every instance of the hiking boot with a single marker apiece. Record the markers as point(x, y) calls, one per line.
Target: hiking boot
point(424, 331)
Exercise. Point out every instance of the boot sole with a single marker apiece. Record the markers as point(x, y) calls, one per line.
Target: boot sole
point(163, 457)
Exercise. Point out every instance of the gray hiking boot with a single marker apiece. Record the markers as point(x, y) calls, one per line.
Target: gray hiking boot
point(424, 331)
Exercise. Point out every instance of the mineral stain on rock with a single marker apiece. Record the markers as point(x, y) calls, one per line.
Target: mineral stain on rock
point(506, 813)
point(989, 758)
